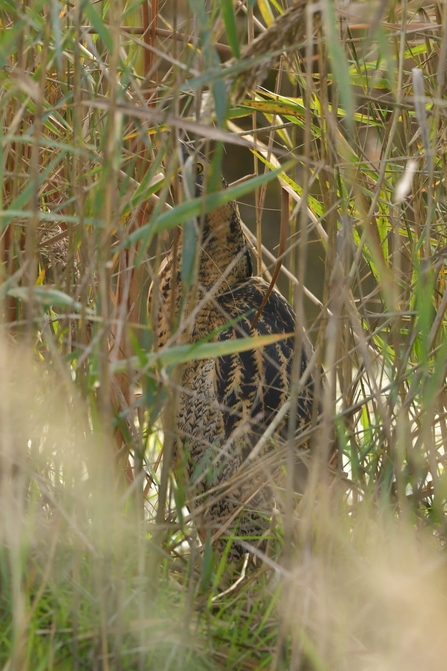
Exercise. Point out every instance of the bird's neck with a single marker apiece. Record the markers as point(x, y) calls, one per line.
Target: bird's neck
point(224, 256)
point(224, 263)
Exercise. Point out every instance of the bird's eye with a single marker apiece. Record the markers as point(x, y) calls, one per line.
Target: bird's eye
point(199, 168)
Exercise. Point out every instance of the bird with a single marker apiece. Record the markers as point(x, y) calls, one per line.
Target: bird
point(226, 403)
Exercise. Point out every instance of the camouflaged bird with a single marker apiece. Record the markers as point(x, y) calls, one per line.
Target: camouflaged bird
point(226, 403)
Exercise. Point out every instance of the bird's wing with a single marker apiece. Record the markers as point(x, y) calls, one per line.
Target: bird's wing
point(253, 385)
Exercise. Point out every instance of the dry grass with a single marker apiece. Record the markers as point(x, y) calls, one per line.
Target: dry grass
point(94, 573)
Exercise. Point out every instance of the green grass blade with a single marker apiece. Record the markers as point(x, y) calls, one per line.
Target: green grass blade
point(227, 11)
point(197, 206)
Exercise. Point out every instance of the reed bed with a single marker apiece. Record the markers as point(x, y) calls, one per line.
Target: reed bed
point(339, 107)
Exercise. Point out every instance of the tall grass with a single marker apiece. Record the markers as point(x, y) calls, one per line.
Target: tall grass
point(99, 564)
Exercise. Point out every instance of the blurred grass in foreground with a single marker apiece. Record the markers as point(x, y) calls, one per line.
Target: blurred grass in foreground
point(366, 589)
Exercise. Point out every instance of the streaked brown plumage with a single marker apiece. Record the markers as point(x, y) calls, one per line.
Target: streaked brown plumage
point(226, 403)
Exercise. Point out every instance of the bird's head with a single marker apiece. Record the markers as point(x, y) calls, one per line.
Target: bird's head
point(197, 172)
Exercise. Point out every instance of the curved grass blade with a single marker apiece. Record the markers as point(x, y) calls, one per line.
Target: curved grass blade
point(172, 356)
point(198, 206)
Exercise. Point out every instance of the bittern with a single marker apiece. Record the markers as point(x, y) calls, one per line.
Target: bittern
point(226, 403)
